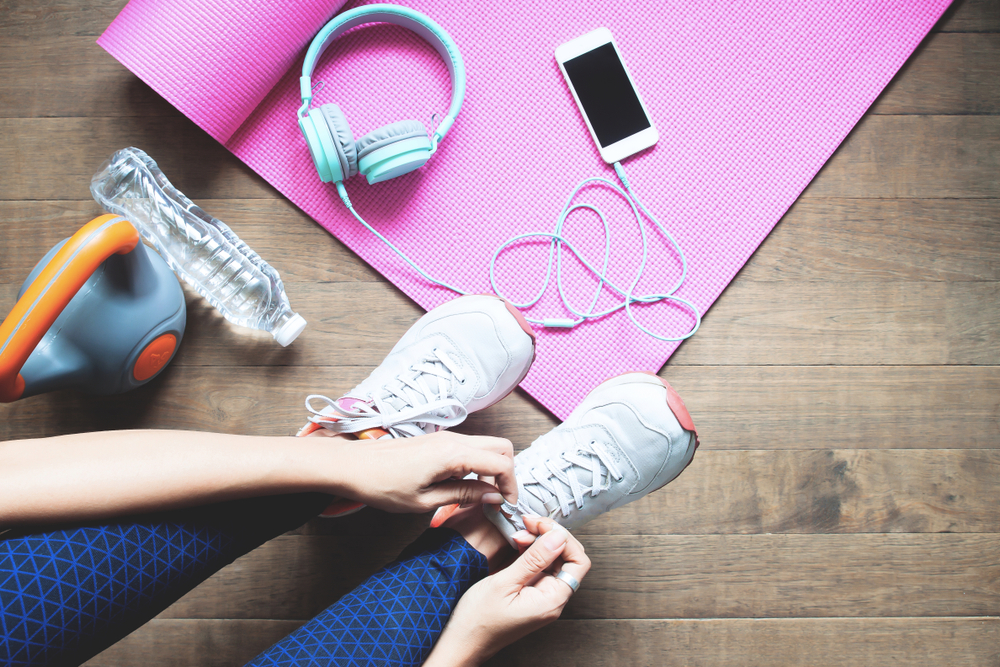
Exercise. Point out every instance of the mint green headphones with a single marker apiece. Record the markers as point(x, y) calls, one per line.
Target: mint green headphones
point(391, 150)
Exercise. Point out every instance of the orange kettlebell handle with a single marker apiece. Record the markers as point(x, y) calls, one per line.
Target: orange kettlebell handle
point(54, 287)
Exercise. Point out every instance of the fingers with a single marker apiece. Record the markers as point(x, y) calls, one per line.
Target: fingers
point(536, 559)
point(523, 539)
point(574, 559)
point(501, 446)
point(489, 463)
point(462, 492)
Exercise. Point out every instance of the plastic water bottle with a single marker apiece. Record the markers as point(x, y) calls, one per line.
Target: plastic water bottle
point(202, 250)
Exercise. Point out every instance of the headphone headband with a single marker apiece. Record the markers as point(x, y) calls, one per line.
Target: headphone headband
point(401, 16)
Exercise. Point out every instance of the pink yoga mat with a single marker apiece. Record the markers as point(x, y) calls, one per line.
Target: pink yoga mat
point(750, 98)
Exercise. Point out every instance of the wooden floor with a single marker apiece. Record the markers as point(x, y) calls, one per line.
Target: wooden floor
point(843, 508)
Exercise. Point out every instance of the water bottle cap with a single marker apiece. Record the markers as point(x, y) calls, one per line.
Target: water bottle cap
point(290, 330)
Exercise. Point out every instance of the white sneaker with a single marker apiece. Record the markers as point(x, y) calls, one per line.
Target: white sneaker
point(462, 356)
point(629, 437)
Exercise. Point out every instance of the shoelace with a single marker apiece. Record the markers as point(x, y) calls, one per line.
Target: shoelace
point(551, 479)
point(422, 405)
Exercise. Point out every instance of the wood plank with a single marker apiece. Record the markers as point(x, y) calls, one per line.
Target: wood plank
point(182, 643)
point(874, 642)
point(914, 157)
point(868, 323)
point(847, 240)
point(55, 158)
point(52, 76)
point(971, 16)
point(899, 323)
point(885, 156)
point(765, 408)
point(71, 76)
point(828, 240)
point(61, 18)
point(675, 576)
point(836, 491)
point(792, 492)
point(951, 73)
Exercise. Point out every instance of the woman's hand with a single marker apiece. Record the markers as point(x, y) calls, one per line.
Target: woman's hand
point(514, 602)
point(422, 473)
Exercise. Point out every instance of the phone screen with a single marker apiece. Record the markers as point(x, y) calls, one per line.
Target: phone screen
point(606, 94)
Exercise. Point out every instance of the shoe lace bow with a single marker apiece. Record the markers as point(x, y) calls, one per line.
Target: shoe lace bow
point(422, 395)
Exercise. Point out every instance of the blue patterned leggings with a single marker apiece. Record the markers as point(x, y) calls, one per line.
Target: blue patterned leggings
point(69, 593)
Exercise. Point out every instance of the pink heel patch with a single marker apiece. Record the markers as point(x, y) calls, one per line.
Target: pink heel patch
point(680, 411)
point(520, 319)
point(676, 405)
point(523, 323)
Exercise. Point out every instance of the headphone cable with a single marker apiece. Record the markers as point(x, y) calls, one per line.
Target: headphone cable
point(556, 241)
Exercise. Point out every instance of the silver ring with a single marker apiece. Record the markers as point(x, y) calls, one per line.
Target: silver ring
point(569, 580)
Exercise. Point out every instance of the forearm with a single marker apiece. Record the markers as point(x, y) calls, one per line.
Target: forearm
point(446, 654)
point(103, 474)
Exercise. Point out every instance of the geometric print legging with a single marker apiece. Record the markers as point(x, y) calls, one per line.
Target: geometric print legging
point(70, 592)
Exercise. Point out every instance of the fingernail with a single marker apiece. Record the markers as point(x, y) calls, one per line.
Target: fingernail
point(522, 535)
point(555, 538)
point(492, 499)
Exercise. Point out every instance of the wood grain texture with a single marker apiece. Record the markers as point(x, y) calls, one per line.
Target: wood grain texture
point(873, 642)
point(735, 408)
point(874, 323)
point(57, 77)
point(74, 77)
point(828, 240)
point(848, 240)
point(970, 16)
point(885, 156)
point(836, 491)
point(825, 642)
point(898, 323)
point(183, 643)
point(660, 576)
point(54, 158)
point(948, 74)
point(914, 157)
point(790, 492)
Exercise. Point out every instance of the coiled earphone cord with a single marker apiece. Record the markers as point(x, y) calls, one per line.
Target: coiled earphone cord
point(556, 241)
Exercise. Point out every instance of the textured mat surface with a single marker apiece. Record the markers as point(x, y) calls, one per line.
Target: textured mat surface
point(750, 99)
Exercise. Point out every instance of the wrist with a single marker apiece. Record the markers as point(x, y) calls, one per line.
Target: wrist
point(453, 654)
point(317, 464)
point(464, 642)
point(328, 462)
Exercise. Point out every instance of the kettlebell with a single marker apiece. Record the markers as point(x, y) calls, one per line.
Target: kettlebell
point(100, 313)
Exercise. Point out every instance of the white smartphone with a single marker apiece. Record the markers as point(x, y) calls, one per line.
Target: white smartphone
point(606, 94)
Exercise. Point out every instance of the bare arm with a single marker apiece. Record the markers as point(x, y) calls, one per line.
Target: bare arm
point(109, 473)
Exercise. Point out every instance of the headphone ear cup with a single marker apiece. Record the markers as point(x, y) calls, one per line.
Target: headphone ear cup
point(393, 150)
point(343, 139)
point(321, 148)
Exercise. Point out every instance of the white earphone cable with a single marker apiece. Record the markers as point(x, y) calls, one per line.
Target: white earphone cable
point(556, 241)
